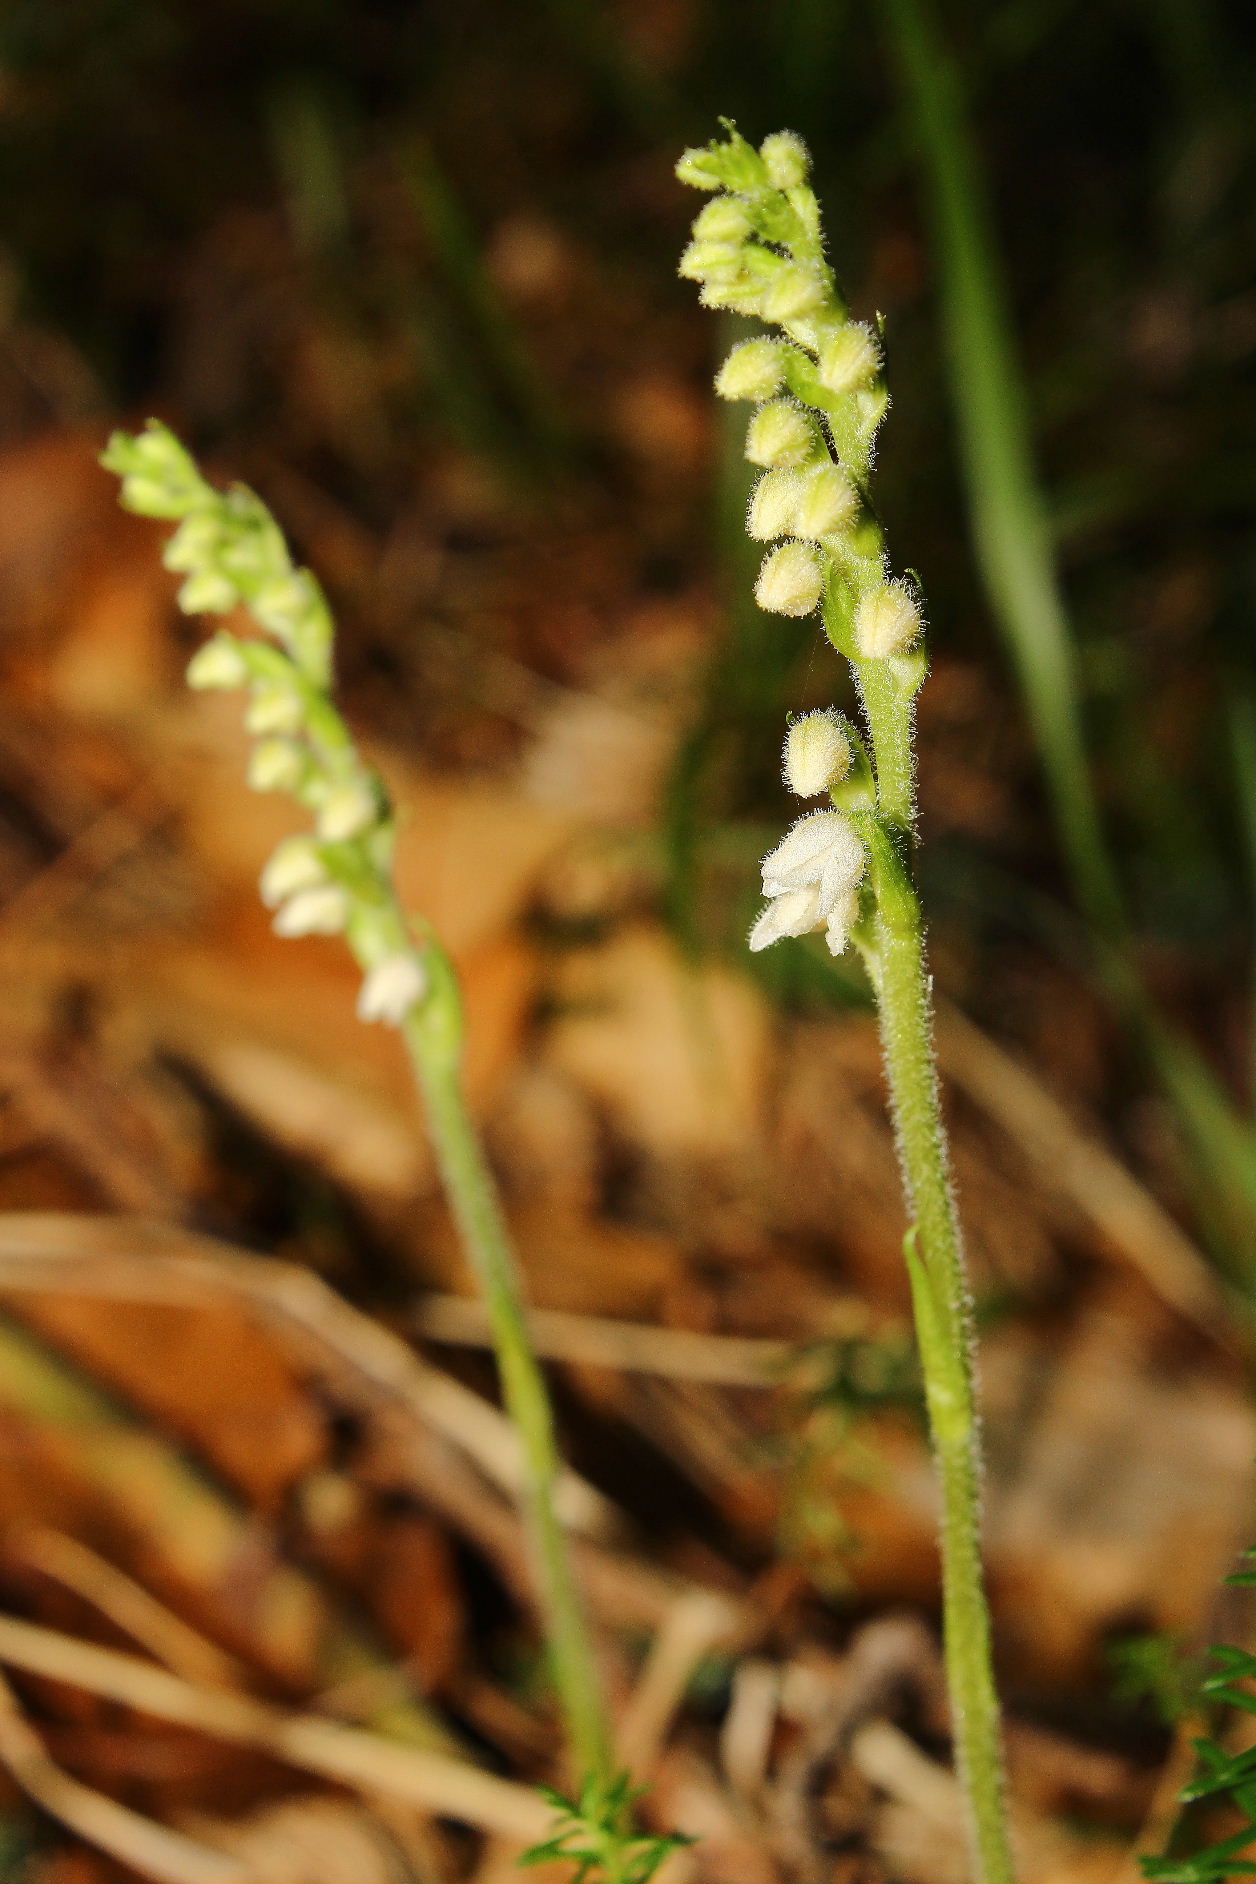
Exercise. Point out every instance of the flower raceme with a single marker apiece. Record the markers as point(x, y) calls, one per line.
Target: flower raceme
point(337, 878)
point(817, 387)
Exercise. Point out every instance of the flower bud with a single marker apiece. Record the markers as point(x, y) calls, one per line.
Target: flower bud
point(321, 911)
point(851, 360)
point(149, 498)
point(294, 865)
point(791, 580)
point(206, 592)
point(159, 479)
point(780, 434)
point(277, 765)
point(275, 709)
point(733, 165)
point(827, 502)
point(817, 754)
point(887, 621)
point(194, 543)
point(349, 808)
point(723, 219)
point(280, 603)
point(739, 294)
point(219, 663)
point(392, 988)
point(753, 370)
point(700, 169)
point(793, 294)
point(785, 160)
point(702, 261)
point(772, 506)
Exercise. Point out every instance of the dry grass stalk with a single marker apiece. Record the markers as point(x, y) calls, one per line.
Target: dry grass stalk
point(152, 1850)
point(347, 1755)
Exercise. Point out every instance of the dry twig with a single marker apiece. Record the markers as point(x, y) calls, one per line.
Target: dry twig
point(1079, 1167)
point(449, 1788)
point(150, 1849)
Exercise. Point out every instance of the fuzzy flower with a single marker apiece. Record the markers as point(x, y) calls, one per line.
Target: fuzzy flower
point(850, 360)
point(827, 503)
point(723, 219)
point(812, 882)
point(772, 506)
point(218, 663)
point(753, 370)
point(348, 809)
point(793, 294)
point(785, 159)
point(277, 765)
point(208, 592)
point(791, 580)
point(275, 708)
point(817, 754)
point(780, 434)
point(320, 911)
point(391, 989)
point(294, 865)
point(887, 621)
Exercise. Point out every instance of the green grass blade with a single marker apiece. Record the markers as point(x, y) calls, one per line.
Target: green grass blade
point(1013, 546)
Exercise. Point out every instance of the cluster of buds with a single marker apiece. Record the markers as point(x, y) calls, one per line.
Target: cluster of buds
point(337, 878)
point(819, 395)
point(819, 389)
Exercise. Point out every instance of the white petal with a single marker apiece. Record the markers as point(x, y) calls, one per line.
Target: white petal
point(391, 989)
point(313, 912)
point(844, 866)
point(348, 809)
point(800, 856)
point(294, 865)
point(842, 918)
point(796, 912)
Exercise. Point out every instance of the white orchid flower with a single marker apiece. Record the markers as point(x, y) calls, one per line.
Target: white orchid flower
point(391, 989)
point(812, 882)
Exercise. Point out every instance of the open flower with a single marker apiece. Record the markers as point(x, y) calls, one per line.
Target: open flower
point(392, 988)
point(812, 882)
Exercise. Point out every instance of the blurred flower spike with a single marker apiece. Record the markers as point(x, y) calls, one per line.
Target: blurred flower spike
point(337, 879)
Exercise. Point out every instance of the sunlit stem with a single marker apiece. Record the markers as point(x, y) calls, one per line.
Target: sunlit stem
point(940, 1293)
point(433, 1035)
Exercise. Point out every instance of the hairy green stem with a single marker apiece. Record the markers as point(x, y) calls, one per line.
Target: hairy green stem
point(940, 1293)
point(1011, 533)
point(831, 367)
point(433, 1038)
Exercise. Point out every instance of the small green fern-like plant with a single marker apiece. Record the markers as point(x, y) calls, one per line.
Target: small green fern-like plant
point(595, 1833)
point(1222, 1778)
point(817, 384)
